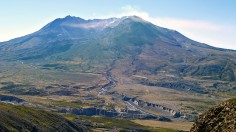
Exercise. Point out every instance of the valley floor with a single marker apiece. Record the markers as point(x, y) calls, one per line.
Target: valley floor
point(184, 126)
point(112, 94)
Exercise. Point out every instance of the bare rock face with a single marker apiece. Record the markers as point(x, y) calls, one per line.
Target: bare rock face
point(221, 118)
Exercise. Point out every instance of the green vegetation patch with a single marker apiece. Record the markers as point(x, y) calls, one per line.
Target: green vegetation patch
point(120, 124)
point(20, 118)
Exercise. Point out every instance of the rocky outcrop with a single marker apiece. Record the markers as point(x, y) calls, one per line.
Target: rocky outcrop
point(10, 99)
point(102, 112)
point(90, 112)
point(221, 118)
point(153, 106)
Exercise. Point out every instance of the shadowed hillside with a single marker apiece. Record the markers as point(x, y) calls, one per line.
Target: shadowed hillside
point(19, 118)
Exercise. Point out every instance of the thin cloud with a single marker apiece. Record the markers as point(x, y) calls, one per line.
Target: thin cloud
point(200, 30)
point(166, 22)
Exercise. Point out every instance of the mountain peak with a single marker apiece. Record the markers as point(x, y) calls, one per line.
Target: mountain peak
point(63, 21)
point(72, 18)
point(133, 18)
point(69, 16)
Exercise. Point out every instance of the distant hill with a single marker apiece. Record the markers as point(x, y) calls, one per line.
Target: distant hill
point(221, 118)
point(20, 118)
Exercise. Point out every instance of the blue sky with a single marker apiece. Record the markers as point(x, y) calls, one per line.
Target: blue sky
point(209, 21)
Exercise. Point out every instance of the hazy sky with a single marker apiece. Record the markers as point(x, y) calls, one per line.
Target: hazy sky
point(209, 21)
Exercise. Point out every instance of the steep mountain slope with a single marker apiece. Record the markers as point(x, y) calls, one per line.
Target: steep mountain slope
point(100, 42)
point(98, 62)
point(19, 118)
point(218, 119)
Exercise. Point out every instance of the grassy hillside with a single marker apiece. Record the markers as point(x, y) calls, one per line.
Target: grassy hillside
point(19, 118)
point(218, 119)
